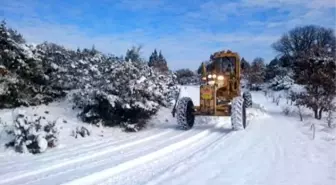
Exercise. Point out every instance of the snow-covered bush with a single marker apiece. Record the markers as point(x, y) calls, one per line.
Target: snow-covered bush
point(33, 134)
point(129, 94)
point(23, 79)
point(187, 77)
point(110, 90)
point(82, 131)
point(287, 110)
point(16, 91)
point(68, 69)
point(256, 87)
point(256, 74)
point(281, 83)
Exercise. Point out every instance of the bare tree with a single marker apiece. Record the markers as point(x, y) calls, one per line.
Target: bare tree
point(300, 111)
point(331, 114)
point(313, 129)
point(301, 40)
point(329, 118)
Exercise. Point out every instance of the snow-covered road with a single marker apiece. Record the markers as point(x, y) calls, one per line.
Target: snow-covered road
point(271, 151)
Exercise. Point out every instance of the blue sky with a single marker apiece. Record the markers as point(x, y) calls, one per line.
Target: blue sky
point(186, 31)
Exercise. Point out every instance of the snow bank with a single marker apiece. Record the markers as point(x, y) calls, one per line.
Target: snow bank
point(309, 124)
point(192, 91)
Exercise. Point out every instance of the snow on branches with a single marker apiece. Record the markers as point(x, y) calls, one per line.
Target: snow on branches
point(115, 90)
point(187, 77)
point(24, 79)
point(129, 94)
point(33, 134)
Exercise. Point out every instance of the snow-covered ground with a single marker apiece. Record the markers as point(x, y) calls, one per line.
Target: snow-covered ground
point(274, 149)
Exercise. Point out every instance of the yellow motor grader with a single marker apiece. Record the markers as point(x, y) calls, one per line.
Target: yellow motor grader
point(220, 93)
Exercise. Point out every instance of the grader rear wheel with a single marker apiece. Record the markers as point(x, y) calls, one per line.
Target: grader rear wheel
point(238, 114)
point(185, 113)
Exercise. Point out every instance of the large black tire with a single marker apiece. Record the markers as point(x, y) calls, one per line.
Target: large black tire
point(185, 113)
point(238, 114)
point(247, 99)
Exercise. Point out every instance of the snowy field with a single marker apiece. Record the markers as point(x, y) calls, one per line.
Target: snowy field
point(274, 150)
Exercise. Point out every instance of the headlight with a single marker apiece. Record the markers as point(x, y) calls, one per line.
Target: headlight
point(220, 77)
point(212, 82)
point(204, 78)
point(214, 76)
point(209, 76)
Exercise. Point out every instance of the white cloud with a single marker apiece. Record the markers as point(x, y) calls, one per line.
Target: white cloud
point(191, 44)
point(7, 7)
point(214, 11)
point(321, 4)
point(312, 4)
point(293, 13)
point(132, 5)
point(282, 15)
point(269, 3)
point(313, 16)
point(185, 49)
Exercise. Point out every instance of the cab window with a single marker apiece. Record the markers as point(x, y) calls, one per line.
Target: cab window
point(226, 64)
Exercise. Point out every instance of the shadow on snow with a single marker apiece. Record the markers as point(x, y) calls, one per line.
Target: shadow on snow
point(204, 123)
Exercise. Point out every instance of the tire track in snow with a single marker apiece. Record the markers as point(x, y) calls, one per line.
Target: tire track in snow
point(107, 173)
point(105, 161)
point(181, 161)
point(278, 160)
point(176, 169)
point(54, 154)
point(68, 154)
point(235, 148)
point(59, 155)
point(243, 153)
point(157, 169)
point(82, 159)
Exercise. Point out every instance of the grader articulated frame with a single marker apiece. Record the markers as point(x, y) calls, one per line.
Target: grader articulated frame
point(220, 93)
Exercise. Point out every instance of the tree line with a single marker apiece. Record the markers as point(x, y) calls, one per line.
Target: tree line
point(109, 89)
point(306, 56)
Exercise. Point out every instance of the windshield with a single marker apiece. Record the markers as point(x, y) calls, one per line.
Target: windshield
point(226, 64)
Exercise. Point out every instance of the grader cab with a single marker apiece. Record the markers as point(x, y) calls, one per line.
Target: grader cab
point(220, 93)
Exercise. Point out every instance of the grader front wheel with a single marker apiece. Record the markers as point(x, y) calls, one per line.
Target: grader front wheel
point(247, 99)
point(185, 113)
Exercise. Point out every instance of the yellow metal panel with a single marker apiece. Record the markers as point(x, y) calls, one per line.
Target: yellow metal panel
point(223, 90)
